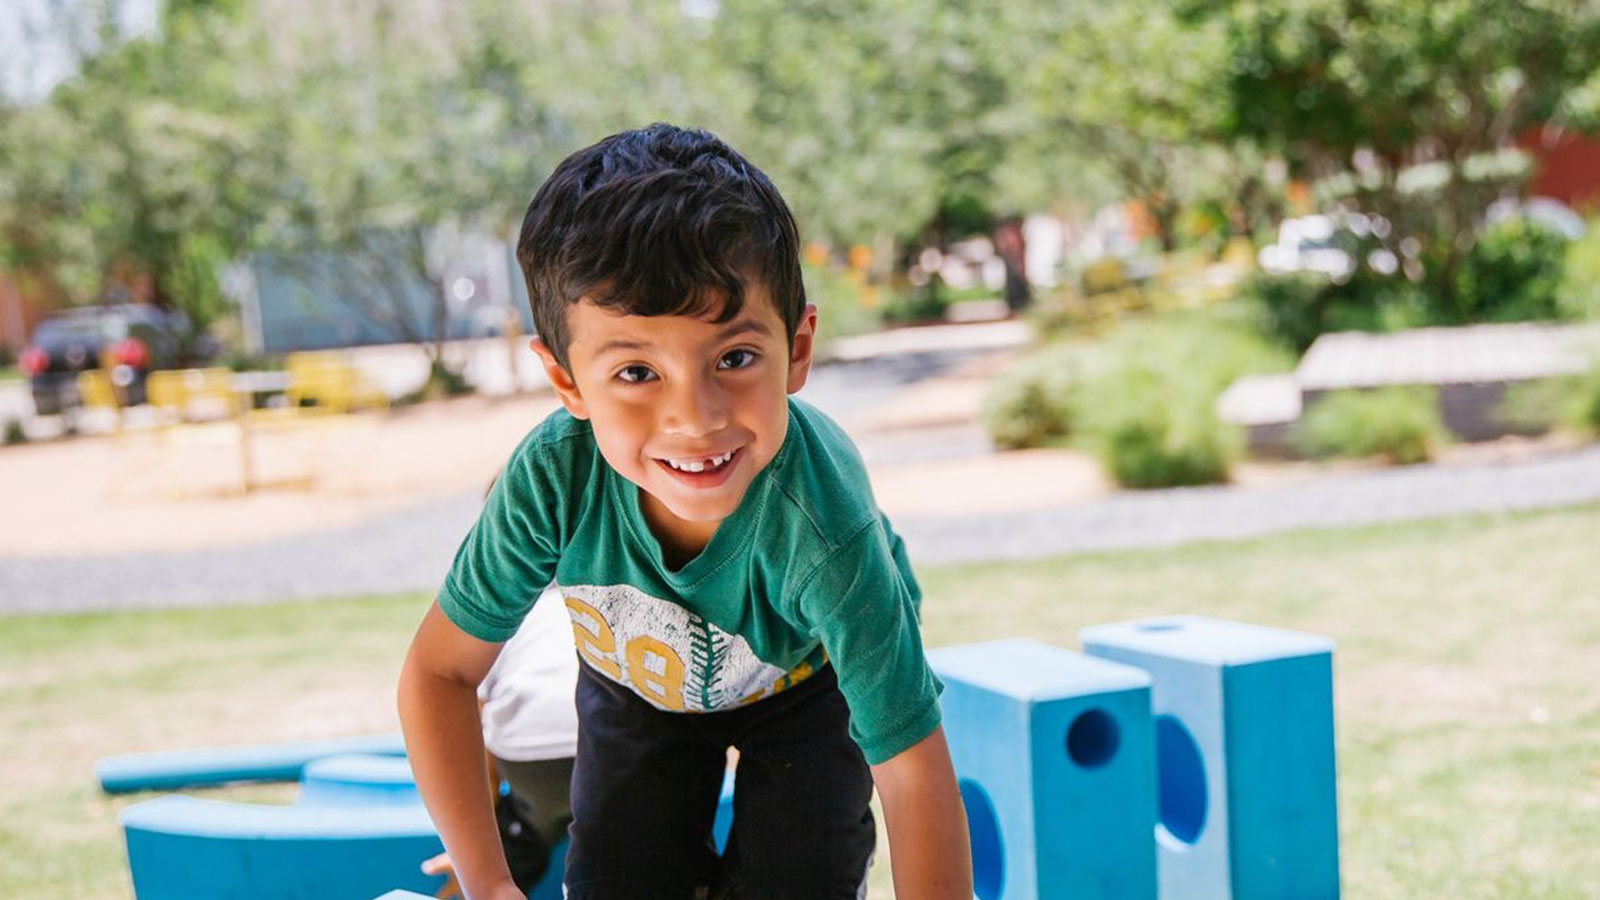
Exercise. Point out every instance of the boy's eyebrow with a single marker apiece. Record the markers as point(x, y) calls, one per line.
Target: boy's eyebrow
point(734, 330)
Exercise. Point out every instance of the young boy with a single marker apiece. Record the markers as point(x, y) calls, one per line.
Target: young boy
point(729, 578)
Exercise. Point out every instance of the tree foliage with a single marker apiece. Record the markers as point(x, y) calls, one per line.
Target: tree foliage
point(243, 126)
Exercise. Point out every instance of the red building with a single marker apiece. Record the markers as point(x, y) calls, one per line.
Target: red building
point(1566, 167)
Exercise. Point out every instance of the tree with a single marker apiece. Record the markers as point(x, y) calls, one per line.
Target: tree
point(1409, 100)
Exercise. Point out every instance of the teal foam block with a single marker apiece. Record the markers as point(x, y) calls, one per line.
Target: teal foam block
point(1245, 755)
point(183, 848)
point(356, 779)
point(723, 822)
point(1053, 756)
point(175, 769)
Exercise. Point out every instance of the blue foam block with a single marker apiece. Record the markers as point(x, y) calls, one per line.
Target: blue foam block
point(355, 779)
point(173, 769)
point(181, 848)
point(1245, 755)
point(1053, 754)
point(723, 823)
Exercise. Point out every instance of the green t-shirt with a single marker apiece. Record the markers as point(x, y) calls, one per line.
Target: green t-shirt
point(805, 570)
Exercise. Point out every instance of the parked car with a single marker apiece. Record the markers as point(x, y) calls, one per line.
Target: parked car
point(1324, 243)
point(129, 340)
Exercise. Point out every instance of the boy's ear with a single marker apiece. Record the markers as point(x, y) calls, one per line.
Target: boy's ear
point(800, 353)
point(561, 380)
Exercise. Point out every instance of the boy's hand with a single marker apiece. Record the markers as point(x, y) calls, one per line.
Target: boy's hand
point(926, 822)
point(440, 865)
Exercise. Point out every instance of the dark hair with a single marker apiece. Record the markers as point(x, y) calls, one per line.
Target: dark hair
point(658, 221)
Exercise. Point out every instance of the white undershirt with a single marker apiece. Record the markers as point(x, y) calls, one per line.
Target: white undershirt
point(528, 708)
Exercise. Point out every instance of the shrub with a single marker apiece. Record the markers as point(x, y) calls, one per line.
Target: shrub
point(1578, 296)
point(1031, 404)
point(1537, 406)
point(1151, 430)
point(1296, 307)
point(1584, 412)
point(1399, 423)
point(14, 433)
point(1534, 407)
point(919, 304)
point(1512, 274)
point(1143, 399)
point(1148, 404)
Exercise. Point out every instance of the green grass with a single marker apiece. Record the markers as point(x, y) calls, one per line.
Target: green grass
point(1468, 714)
point(10, 373)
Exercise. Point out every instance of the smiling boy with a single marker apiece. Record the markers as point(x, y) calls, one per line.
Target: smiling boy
point(729, 578)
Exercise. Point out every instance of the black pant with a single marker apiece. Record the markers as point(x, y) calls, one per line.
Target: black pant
point(534, 816)
point(646, 783)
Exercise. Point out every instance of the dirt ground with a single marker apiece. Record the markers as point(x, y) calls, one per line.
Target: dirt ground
point(146, 489)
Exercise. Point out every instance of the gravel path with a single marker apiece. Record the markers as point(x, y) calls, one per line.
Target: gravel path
point(410, 550)
point(1169, 517)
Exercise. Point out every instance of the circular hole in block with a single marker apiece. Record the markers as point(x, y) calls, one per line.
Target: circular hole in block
point(1181, 782)
point(1092, 738)
point(983, 831)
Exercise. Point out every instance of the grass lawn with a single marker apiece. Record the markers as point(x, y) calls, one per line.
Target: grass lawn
point(1467, 679)
point(10, 373)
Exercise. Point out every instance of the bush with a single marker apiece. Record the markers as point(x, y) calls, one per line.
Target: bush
point(1583, 412)
point(1512, 274)
point(14, 433)
point(1296, 307)
point(1031, 404)
point(1149, 400)
point(1400, 423)
point(1578, 296)
point(1534, 407)
point(926, 303)
point(1153, 430)
point(1538, 406)
point(1143, 399)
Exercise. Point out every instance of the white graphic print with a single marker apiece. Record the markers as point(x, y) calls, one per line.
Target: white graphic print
point(671, 657)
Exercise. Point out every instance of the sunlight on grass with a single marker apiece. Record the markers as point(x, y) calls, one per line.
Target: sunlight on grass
point(1467, 714)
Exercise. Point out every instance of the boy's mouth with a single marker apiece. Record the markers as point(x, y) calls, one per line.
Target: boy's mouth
point(701, 471)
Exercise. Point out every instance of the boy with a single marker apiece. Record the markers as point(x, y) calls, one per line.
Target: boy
point(729, 579)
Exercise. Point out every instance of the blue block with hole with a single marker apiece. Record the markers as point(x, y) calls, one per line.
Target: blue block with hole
point(1053, 754)
point(1245, 755)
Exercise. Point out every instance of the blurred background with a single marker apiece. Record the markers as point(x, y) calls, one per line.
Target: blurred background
point(1310, 289)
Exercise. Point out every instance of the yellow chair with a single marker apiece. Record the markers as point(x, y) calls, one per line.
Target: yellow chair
point(96, 392)
point(179, 393)
point(328, 382)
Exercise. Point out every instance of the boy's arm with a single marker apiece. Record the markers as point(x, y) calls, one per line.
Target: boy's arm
point(926, 822)
point(438, 705)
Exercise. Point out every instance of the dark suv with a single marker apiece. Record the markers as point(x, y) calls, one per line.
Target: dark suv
point(129, 340)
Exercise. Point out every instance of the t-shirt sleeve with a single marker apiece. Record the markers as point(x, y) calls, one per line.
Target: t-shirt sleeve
point(864, 611)
point(510, 554)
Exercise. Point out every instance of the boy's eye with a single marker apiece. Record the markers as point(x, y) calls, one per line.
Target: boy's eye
point(635, 374)
point(736, 359)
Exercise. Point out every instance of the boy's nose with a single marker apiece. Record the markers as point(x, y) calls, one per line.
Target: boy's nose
point(695, 409)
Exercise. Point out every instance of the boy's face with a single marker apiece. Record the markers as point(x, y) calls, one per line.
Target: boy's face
point(687, 409)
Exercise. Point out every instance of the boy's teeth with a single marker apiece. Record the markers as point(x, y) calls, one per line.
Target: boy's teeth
point(700, 465)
